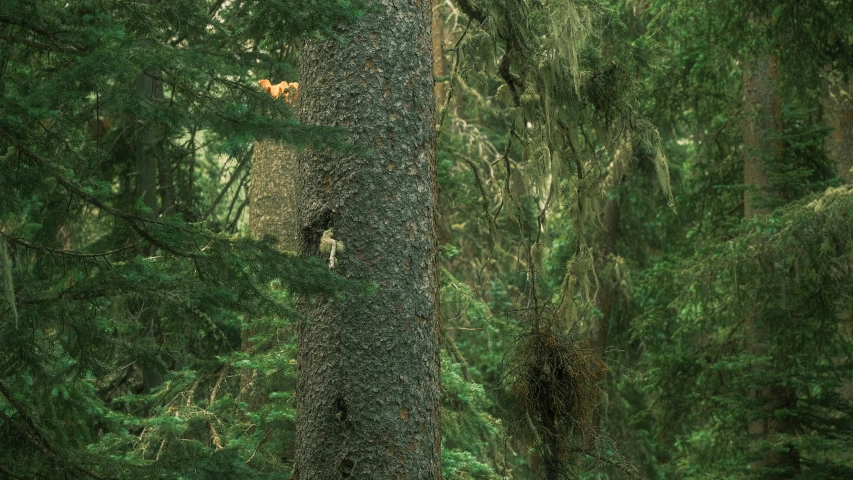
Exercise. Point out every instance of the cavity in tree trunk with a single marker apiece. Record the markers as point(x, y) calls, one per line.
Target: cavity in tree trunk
point(368, 365)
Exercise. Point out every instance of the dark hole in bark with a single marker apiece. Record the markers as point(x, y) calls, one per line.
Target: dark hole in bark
point(341, 409)
point(312, 233)
point(346, 468)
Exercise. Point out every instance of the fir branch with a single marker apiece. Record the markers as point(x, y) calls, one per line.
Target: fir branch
point(133, 221)
point(67, 253)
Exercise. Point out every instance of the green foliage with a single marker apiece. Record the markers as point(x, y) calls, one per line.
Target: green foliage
point(148, 339)
point(121, 320)
point(781, 282)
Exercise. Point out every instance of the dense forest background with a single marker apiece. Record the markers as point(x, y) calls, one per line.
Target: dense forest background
point(645, 219)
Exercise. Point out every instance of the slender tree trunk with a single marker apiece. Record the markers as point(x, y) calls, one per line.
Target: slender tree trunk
point(606, 251)
point(606, 258)
point(146, 164)
point(368, 365)
point(838, 112)
point(763, 114)
point(150, 89)
point(763, 108)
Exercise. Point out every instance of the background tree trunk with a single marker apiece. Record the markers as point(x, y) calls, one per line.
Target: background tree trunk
point(273, 196)
point(150, 89)
point(146, 164)
point(838, 112)
point(763, 114)
point(368, 365)
point(762, 120)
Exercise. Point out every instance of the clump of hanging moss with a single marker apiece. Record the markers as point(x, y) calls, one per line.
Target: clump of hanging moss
point(555, 382)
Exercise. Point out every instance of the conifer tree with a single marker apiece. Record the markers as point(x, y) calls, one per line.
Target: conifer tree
point(368, 366)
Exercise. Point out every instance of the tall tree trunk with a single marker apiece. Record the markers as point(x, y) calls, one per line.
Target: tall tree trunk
point(368, 365)
point(838, 112)
point(763, 108)
point(606, 256)
point(167, 186)
point(146, 164)
point(151, 90)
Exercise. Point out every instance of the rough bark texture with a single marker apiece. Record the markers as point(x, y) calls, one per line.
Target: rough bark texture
point(368, 365)
point(273, 196)
point(763, 113)
point(763, 108)
point(838, 112)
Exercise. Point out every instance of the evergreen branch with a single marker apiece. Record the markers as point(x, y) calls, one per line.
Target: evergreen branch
point(33, 433)
point(227, 187)
point(514, 81)
point(39, 46)
point(133, 221)
point(67, 253)
point(20, 22)
point(485, 203)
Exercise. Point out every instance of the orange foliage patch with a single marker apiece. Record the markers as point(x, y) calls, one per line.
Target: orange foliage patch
point(290, 90)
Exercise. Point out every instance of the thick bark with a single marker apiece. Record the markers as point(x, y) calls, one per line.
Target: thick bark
point(762, 121)
point(762, 106)
point(838, 112)
point(368, 365)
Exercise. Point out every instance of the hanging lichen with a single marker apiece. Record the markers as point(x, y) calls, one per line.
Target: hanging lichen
point(568, 106)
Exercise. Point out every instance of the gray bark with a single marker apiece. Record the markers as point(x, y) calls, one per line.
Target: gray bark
point(368, 365)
